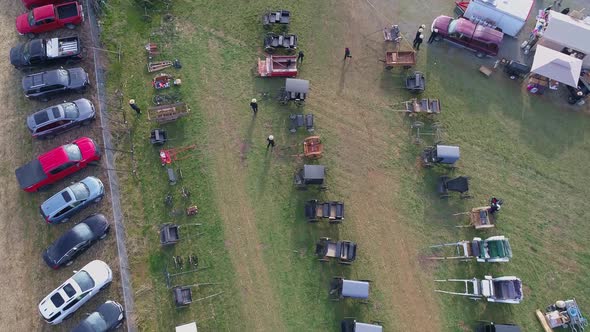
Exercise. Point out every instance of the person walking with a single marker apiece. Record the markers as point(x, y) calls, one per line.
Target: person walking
point(254, 106)
point(418, 41)
point(271, 142)
point(433, 36)
point(134, 106)
point(420, 31)
point(347, 53)
point(300, 57)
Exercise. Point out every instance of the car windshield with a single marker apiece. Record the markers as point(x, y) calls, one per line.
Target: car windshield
point(73, 152)
point(57, 300)
point(70, 110)
point(31, 19)
point(80, 190)
point(453, 26)
point(26, 51)
point(83, 280)
point(95, 322)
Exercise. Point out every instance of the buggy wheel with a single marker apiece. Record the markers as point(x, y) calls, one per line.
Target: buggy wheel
point(269, 50)
point(300, 103)
point(444, 196)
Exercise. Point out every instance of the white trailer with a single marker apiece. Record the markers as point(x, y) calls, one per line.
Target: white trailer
point(508, 15)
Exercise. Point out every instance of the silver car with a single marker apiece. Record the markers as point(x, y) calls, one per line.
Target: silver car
point(71, 200)
point(54, 120)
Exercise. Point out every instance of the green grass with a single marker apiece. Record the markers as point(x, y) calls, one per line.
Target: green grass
point(513, 146)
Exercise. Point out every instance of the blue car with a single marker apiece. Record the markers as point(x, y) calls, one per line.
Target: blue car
point(71, 200)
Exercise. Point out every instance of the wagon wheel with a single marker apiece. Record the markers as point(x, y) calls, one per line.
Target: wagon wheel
point(418, 124)
point(300, 103)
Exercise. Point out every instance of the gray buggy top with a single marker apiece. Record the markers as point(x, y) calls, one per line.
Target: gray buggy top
point(296, 89)
point(311, 174)
point(355, 289)
point(447, 154)
point(351, 325)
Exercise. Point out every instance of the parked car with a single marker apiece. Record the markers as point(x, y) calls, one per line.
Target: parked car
point(50, 17)
point(57, 164)
point(108, 317)
point(44, 85)
point(38, 52)
point(61, 303)
point(57, 119)
point(480, 39)
point(75, 241)
point(71, 200)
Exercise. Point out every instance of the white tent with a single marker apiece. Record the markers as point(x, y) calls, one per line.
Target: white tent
point(568, 32)
point(557, 66)
point(190, 327)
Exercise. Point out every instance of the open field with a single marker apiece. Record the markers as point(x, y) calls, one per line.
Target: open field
point(530, 151)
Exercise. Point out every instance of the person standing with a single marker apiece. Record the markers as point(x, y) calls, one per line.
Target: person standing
point(254, 106)
point(300, 57)
point(347, 53)
point(420, 31)
point(271, 142)
point(134, 106)
point(418, 41)
point(433, 36)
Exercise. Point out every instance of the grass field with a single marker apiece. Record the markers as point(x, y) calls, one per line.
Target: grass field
point(520, 148)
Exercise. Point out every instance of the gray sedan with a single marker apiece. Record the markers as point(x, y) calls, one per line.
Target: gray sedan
point(54, 120)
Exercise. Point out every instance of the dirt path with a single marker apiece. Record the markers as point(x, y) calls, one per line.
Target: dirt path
point(259, 303)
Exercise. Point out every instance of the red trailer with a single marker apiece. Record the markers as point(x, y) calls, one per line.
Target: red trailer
point(278, 66)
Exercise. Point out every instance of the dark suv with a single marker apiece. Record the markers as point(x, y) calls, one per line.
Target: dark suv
point(47, 84)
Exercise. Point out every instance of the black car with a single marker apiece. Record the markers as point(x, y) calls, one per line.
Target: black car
point(44, 85)
point(39, 52)
point(57, 119)
point(75, 241)
point(108, 317)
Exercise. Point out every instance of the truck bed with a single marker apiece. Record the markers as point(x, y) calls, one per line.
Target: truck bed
point(30, 174)
point(61, 47)
point(67, 10)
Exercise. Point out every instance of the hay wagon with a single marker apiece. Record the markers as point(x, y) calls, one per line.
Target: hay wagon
point(168, 113)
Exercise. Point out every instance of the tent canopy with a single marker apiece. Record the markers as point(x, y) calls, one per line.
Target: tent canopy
point(568, 32)
point(557, 66)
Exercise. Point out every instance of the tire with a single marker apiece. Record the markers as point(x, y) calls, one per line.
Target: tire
point(70, 26)
point(48, 137)
point(70, 262)
point(480, 55)
point(104, 235)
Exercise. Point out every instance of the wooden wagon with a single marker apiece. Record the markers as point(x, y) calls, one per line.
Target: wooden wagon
point(313, 147)
point(404, 59)
point(424, 105)
point(479, 218)
point(168, 113)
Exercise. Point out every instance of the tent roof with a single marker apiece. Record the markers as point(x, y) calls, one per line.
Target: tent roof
point(557, 66)
point(568, 32)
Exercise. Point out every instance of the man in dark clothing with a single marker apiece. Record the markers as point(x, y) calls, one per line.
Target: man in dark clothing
point(417, 42)
point(347, 53)
point(134, 106)
point(271, 142)
point(433, 35)
point(254, 106)
point(420, 31)
point(300, 57)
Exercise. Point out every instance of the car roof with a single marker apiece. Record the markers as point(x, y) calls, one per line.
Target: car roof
point(53, 158)
point(63, 293)
point(58, 200)
point(77, 234)
point(44, 78)
point(45, 115)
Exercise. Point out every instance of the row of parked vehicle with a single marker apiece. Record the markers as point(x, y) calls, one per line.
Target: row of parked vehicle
point(63, 161)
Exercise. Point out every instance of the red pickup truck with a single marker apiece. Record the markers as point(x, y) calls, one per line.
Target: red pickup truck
point(57, 164)
point(50, 17)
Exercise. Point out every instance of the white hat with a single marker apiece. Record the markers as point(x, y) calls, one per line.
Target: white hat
point(420, 30)
point(421, 36)
point(271, 137)
point(423, 26)
point(131, 101)
point(253, 100)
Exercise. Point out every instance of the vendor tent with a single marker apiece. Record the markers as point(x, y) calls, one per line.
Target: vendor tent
point(565, 31)
point(557, 66)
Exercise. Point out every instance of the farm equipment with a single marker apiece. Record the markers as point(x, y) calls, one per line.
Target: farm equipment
point(498, 290)
point(183, 295)
point(278, 66)
point(435, 131)
point(333, 211)
point(158, 65)
point(564, 315)
point(405, 59)
point(416, 82)
point(295, 90)
point(167, 156)
point(459, 184)
point(158, 137)
point(164, 81)
point(313, 147)
point(491, 327)
point(495, 249)
point(351, 325)
point(421, 106)
point(282, 17)
point(168, 113)
point(274, 42)
point(341, 288)
point(301, 120)
point(392, 34)
point(310, 175)
point(344, 251)
point(483, 217)
point(440, 154)
point(169, 233)
point(152, 50)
